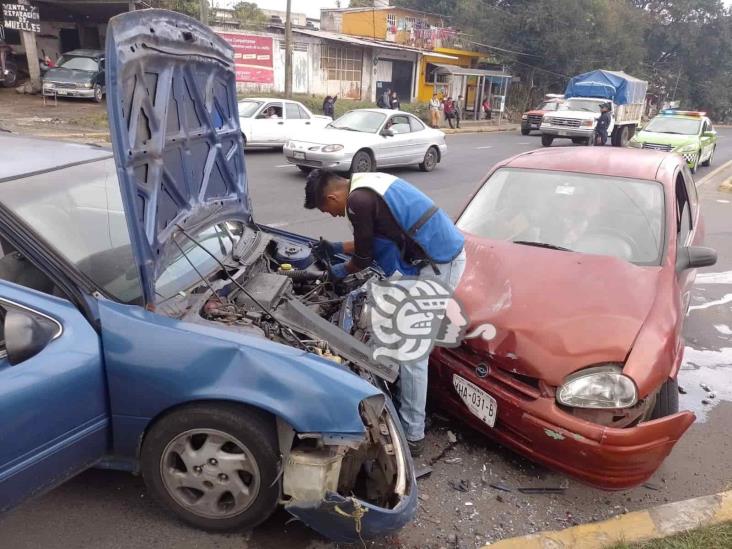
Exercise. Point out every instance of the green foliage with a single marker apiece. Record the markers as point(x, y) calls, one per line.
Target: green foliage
point(682, 47)
point(249, 15)
point(361, 4)
point(188, 7)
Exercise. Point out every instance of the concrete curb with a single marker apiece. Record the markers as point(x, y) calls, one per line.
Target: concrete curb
point(639, 526)
point(487, 129)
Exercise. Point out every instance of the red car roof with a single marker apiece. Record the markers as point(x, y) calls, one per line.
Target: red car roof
point(612, 161)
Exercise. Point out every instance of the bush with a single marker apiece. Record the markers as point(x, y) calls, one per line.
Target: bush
point(342, 106)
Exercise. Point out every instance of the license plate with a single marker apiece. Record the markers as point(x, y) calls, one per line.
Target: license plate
point(299, 155)
point(535, 126)
point(61, 92)
point(561, 132)
point(478, 401)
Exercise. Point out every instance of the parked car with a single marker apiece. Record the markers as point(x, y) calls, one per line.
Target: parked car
point(78, 73)
point(9, 76)
point(149, 325)
point(531, 120)
point(363, 140)
point(270, 122)
point(583, 261)
point(688, 133)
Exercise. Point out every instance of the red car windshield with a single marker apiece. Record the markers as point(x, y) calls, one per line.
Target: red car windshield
point(595, 214)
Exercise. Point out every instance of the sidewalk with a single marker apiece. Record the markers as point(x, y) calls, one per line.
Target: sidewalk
point(640, 526)
point(480, 127)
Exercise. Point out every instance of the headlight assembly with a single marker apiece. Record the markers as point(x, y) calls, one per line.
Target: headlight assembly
point(87, 85)
point(332, 148)
point(599, 387)
point(524, 116)
point(548, 120)
point(588, 123)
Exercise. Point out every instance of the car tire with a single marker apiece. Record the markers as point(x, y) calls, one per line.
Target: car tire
point(98, 93)
point(525, 131)
point(621, 137)
point(12, 77)
point(204, 431)
point(362, 162)
point(667, 400)
point(431, 159)
point(578, 141)
point(708, 161)
point(547, 140)
point(304, 169)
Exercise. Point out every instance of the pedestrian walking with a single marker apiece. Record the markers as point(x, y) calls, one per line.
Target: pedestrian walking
point(448, 108)
point(435, 107)
point(394, 101)
point(459, 106)
point(384, 100)
point(329, 105)
point(603, 123)
point(382, 210)
point(487, 109)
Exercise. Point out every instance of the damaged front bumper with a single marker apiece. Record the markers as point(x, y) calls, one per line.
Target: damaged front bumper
point(350, 489)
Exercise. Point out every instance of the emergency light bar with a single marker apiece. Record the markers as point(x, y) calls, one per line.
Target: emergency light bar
point(683, 113)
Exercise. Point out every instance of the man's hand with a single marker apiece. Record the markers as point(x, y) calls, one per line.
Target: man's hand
point(327, 250)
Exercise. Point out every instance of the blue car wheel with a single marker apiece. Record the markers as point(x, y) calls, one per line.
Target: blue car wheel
point(214, 465)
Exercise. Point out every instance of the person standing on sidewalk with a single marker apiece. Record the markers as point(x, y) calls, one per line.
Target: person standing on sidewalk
point(435, 107)
point(384, 100)
point(459, 105)
point(603, 123)
point(329, 106)
point(449, 109)
point(394, 101)
point(487, 108)
point(382, 210)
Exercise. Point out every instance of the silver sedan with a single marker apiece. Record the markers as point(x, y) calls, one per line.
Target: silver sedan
point(363, 140)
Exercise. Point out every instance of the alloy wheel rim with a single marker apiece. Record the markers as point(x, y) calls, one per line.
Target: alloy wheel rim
point(210, 473)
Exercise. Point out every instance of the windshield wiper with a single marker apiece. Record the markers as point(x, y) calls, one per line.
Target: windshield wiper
point(541, 245)
point(346, 128)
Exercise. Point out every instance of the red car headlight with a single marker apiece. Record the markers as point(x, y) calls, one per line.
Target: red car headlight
point(599, 387)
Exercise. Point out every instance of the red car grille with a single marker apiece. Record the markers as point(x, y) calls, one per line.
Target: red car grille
point(535, 118)
point(485, 369)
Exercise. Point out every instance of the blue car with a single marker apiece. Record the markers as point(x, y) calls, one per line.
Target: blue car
point(150, 325)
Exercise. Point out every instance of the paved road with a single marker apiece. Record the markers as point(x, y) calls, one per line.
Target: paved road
point(106, 510)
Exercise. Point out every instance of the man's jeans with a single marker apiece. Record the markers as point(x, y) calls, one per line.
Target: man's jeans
point(413, 377)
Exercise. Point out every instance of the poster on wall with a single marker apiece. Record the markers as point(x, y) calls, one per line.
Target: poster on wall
point(252, 57)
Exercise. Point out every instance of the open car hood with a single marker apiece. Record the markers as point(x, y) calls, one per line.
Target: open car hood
point(171, 100)
point(554, 312)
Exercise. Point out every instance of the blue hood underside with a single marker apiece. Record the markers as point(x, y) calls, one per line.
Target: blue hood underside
point(171, 100)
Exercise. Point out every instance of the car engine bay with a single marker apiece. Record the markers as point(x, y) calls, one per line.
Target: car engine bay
point(276, 287)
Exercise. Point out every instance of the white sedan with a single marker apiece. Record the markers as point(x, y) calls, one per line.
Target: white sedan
point(268, 122)
point(363, 140)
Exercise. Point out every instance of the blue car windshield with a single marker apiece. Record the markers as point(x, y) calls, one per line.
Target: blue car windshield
point(86, 64)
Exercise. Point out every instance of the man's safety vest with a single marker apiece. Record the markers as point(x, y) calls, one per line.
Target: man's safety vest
point(422, 222)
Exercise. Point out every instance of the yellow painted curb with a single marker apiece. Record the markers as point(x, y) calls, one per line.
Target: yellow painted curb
point(654, 523)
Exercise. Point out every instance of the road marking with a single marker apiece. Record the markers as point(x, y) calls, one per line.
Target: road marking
point(713, 173)
point(285, 166)
point(524, 143)
point(486, 147)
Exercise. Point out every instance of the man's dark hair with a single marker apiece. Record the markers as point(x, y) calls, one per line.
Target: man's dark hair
point(315, 186)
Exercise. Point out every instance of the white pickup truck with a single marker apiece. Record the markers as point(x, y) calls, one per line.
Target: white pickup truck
point(576, 118)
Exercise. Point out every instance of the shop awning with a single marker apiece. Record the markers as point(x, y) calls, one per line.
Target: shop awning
point(464, 71)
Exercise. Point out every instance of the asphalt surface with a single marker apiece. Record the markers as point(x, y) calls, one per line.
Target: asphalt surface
point(106, 510)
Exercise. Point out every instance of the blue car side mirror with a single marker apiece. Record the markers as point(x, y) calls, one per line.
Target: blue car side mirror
point(27, 334)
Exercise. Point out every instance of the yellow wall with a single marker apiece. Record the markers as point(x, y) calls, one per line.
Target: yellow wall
point(464, 59)
point(371, 24)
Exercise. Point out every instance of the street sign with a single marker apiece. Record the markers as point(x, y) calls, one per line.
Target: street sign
point(22, 17)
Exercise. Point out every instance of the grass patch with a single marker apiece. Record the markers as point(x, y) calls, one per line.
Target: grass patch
point(717, 536)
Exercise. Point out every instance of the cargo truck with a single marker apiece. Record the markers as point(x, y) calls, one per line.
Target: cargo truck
point(576, 118)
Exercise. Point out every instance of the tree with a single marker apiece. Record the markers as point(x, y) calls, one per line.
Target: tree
point(188, 7)
point(249, 15)
point(361, 4)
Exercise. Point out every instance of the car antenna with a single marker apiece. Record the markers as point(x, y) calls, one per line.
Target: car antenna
point(240, 286)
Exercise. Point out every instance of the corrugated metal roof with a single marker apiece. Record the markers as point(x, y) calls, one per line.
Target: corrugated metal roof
point(348, 39)
point(453, 69)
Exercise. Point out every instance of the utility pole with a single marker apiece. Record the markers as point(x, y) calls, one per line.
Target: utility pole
point(288, 50)
point(204, 12)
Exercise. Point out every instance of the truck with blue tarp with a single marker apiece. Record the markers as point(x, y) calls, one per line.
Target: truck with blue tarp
point(576, 119)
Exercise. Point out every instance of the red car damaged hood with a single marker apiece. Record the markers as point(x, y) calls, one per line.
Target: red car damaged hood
point(554, 312)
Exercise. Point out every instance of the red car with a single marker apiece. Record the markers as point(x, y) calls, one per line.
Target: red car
point(531, 120)
point(583, 261)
